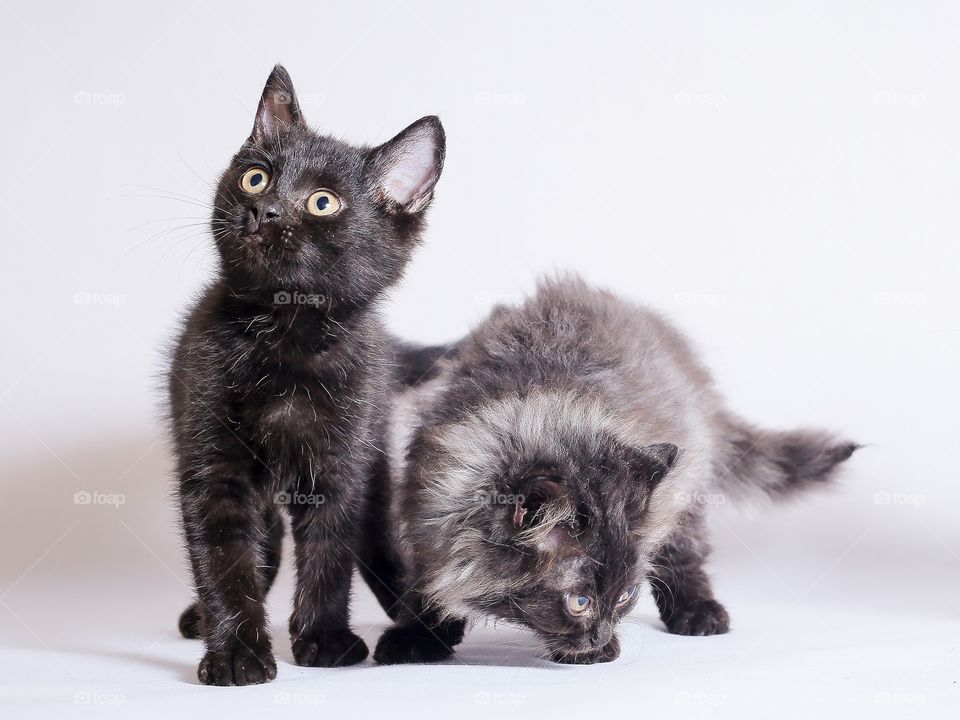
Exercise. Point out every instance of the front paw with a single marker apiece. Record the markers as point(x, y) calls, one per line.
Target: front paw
point(237, 666)
point(701, 617)
point(410, 644)
point(608, 653)
point(330, 649)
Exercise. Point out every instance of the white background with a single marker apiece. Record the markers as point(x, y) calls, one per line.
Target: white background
point(779, 178)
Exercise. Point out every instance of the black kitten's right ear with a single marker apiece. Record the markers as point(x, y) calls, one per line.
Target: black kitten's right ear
point(651, 463)
point(406, 168)
point(278, 108)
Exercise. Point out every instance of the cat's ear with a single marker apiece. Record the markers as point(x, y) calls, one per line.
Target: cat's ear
point(534, 498)
point(278, 109)
point(651, 463)
point(405, 169)
point(543, 514)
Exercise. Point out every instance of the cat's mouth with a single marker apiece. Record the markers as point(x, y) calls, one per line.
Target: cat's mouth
point(273, 243)
point(564, 643)
point(575, 645)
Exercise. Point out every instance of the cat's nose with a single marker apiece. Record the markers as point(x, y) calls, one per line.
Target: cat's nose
point(601, 636)
point(262, 213)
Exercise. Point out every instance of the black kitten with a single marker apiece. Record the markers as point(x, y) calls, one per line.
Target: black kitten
point(277, 388)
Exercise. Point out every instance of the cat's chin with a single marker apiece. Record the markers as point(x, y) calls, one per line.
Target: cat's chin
point(276, 266)
point(608, 653)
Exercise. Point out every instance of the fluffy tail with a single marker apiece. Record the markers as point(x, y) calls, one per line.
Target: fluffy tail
point(777, 464)
point(415, 364)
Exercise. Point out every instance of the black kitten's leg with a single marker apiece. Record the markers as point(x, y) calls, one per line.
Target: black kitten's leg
point(419, 636)
point(191, 619)
point(324, 536)
point(377, 561)
point(680, 586)
point(224, 527)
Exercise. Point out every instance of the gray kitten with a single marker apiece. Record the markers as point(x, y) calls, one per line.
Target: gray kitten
point(551, 462)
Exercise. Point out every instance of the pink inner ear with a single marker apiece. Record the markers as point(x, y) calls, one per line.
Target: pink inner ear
point(518, 514)
point(277, 112)
point(413, 172)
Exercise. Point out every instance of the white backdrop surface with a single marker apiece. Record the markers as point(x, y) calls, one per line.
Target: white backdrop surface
point(779, 178)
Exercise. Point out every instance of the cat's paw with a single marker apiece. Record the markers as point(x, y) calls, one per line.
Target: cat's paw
point(331, 649)
point(608, 653)
point(701, 617)
point(410, 644)
point(191, 622)
point(237, 666)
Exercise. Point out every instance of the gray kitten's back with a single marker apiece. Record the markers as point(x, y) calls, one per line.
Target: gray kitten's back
point(630, 369)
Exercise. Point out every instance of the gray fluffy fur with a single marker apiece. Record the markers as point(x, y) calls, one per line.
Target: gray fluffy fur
point(597, 390)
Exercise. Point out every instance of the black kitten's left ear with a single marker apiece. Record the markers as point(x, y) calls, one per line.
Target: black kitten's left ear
point(278, 108)
point(407, 168)
point(651, 463)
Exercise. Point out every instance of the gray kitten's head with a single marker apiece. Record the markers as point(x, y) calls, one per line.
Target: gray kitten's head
point(535, 512)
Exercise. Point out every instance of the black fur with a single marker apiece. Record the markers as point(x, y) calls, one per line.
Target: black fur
point(278, 386)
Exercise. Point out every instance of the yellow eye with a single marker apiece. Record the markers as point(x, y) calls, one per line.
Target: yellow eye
point(255, 180)
point(577, 604)
point(323, 202)
point(627, 595)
